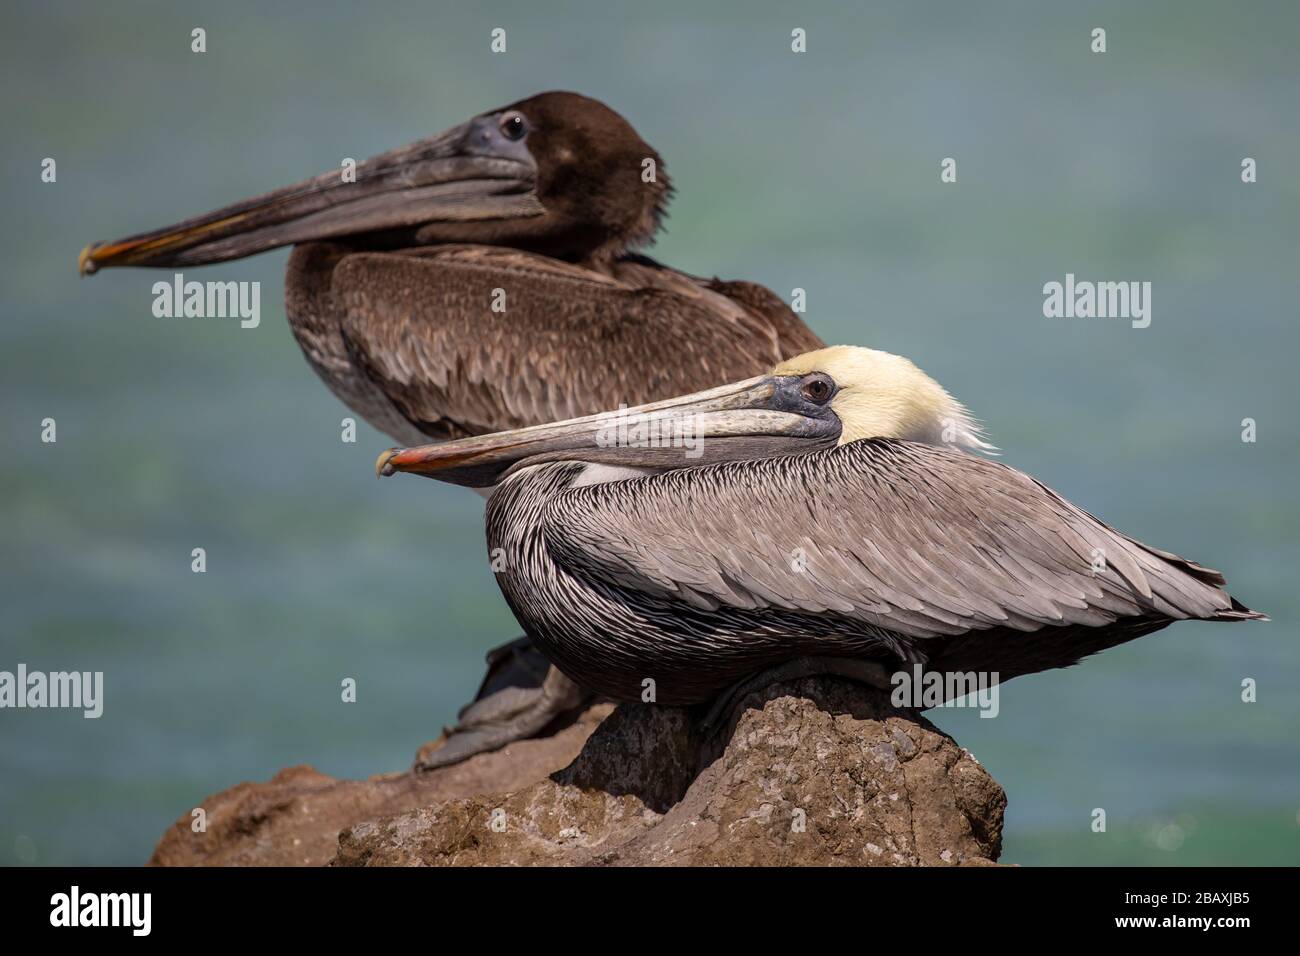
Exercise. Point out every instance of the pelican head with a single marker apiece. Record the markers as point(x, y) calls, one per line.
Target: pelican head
point(813, 401)
point(882, 395)
point(558, 173)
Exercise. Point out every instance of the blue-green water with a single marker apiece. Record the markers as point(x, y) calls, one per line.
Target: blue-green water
point(817, 171)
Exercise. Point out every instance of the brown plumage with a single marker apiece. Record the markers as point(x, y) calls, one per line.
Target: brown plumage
point(535, 208)
point(408, 339)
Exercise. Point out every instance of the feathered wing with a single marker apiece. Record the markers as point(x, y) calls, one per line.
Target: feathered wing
point(918, 540)
point(567, 341)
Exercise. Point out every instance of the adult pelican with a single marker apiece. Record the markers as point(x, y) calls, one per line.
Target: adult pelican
point(486, 279)
point(829, 514)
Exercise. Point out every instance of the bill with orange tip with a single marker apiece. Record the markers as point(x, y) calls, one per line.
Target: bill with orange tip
point(471, 172)
point(759, 417)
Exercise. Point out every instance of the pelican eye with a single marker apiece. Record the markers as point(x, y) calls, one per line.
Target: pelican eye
point(818, 389)
point(514, 126)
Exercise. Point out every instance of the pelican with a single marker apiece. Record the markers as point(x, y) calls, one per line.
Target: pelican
point(487, 279)
point(835, 514)
point(534, 209)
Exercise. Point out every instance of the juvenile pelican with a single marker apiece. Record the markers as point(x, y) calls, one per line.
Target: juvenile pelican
point(485, 279)
point(833, 512)
point(459, 285)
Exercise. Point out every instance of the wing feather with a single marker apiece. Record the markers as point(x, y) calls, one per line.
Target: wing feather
point(570, 341)
point(916, 539)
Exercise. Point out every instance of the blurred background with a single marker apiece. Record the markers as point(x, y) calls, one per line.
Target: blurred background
point(818, 171)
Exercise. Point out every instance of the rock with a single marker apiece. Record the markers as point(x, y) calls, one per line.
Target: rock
point(294, 818)
point(814, 772)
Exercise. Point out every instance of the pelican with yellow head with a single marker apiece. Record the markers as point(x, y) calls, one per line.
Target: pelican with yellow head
point(839, 513)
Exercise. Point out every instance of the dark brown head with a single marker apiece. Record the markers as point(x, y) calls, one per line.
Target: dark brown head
point(557, 173)
point(603, 188)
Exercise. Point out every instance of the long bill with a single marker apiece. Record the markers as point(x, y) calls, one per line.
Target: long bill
point(457, 176)
point(749, 419)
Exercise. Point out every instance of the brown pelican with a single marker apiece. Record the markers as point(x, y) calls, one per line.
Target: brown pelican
point(391, 287)
point(829, 513)
point(485, 279)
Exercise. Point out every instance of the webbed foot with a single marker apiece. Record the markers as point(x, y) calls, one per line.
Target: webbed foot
point(521, 695)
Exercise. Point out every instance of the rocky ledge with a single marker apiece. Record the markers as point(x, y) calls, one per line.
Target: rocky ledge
point(817, 771)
